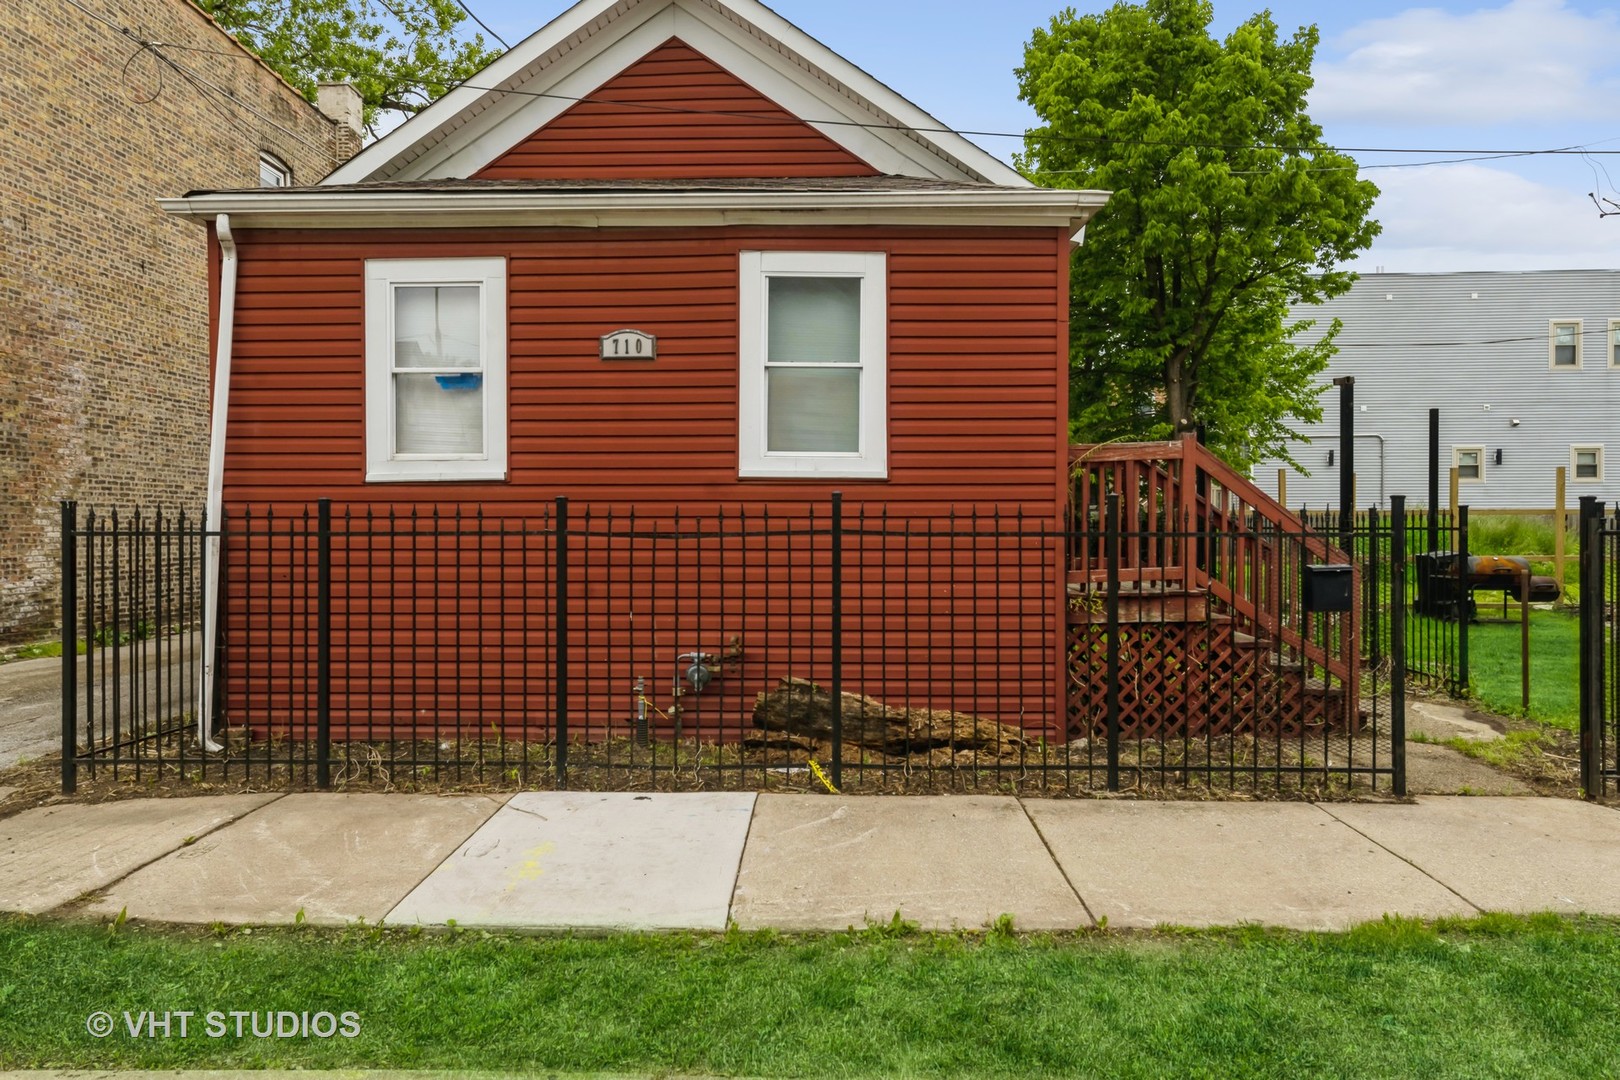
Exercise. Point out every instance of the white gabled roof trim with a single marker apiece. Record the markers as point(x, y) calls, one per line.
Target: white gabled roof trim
point(594, 40)
point(1043, 207)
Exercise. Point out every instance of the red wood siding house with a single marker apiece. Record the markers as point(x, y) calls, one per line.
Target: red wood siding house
point(661, 170)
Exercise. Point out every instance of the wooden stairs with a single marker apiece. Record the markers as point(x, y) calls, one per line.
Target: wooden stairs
point(1214, 638)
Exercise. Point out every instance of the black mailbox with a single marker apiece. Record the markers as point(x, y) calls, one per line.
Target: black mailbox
point(1328, 587)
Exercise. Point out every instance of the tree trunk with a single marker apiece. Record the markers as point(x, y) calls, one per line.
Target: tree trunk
point(1176, 405)
point(803, 708)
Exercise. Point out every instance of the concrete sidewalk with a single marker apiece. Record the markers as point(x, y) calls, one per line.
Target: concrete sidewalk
point(552, 860)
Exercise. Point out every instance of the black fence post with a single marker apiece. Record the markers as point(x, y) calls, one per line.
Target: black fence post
point(70, 645)
point(1591, 644)
point(323, 643)
point(1397, 642)
point(1111, 542)
point(1372, 626)
point(1347, 460)
point(837, 543)
point(1465, 602)
point(1434, 480)
point(560, 720)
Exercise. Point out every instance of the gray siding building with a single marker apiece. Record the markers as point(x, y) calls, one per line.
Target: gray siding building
point(1524, 368)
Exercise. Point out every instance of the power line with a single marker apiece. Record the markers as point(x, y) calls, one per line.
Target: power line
point(197, 82)
point(1455, 155)
point(1435, 344)
point(462, 4)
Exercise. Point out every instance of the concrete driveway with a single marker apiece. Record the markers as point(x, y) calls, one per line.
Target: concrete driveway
point(163, 671)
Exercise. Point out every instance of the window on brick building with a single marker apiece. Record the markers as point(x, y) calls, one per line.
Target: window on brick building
point(273, 172)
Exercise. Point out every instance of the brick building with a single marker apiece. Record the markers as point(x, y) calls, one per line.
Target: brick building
point(103, 297)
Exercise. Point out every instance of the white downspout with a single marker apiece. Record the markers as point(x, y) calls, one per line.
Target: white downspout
point(216, 478)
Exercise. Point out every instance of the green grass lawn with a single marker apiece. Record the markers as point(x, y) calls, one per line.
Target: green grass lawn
point(1498, 997)
point(1494, 666)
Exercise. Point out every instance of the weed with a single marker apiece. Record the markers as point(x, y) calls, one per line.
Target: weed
point(896, 927)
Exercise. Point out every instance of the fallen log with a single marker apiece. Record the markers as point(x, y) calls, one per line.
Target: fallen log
point(803, 708)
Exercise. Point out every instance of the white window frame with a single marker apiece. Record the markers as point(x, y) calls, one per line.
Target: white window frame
point(1552, 344)
point(1456, 462)
point(871, 460)
point(1613, 343)
point(1574, 474)
point(269, 161)
point(383, 465)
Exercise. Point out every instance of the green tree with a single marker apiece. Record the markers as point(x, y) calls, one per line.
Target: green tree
point(400, 54)
point(1227, 209)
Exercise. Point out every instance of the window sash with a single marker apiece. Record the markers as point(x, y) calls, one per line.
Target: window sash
point(813, 364)
point(1470, 464)
point(435, 369)
point(273, 173)
point(1565, 345)
point(1587, 462)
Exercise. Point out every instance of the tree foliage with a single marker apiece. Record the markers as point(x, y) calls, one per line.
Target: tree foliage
point(1227, 209)
point(400, 54)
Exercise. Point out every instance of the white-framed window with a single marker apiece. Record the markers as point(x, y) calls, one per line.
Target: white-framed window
point(435, 369)
point(1586, 464)
point(273, 172)
point(813, 355)
point(1469, 462)
point(1564, 344)
point(1614, 343)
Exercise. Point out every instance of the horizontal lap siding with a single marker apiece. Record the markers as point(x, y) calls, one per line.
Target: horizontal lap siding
point(976, 408)
point(674, 114)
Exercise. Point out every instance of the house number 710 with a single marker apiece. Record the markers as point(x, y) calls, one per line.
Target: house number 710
point(629, 345)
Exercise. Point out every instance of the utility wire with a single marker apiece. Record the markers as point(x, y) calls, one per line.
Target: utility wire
point(770, 118)
point(462, 4)
point(1463, 155)
point(197, 82)
point(1436, 344)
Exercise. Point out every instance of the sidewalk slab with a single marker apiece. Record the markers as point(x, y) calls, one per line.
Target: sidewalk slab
point(336, 857)
point(1145, 864)
point(555, 859)
point(816, 862)
point(1505, 854)
point(52, 854)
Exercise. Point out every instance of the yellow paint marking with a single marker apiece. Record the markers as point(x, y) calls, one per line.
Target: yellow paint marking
point(530, 869)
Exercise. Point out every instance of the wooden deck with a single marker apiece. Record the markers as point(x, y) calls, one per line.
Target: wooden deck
point(1214, 637)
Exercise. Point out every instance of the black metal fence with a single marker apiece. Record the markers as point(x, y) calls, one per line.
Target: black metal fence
point(1600, 650)
point(132, 588)
point(1434, 589)
point(1211, 657)
point(826, 645)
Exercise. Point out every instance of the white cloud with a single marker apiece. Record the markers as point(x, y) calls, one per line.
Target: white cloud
point(1530, 59)
point(1471, 217)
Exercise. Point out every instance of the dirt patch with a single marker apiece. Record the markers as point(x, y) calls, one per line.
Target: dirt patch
point(1546, 758)
point(1211, 767)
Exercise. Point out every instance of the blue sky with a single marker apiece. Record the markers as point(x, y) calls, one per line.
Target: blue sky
point(1492, 74)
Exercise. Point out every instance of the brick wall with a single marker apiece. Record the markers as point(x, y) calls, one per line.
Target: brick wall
point(103, 298)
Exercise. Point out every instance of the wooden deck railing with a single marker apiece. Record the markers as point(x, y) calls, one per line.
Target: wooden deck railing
point(1194, 524)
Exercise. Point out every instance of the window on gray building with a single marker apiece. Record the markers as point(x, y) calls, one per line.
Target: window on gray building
point(1566, 344)
point(1586, 462)
point(1469, 462)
